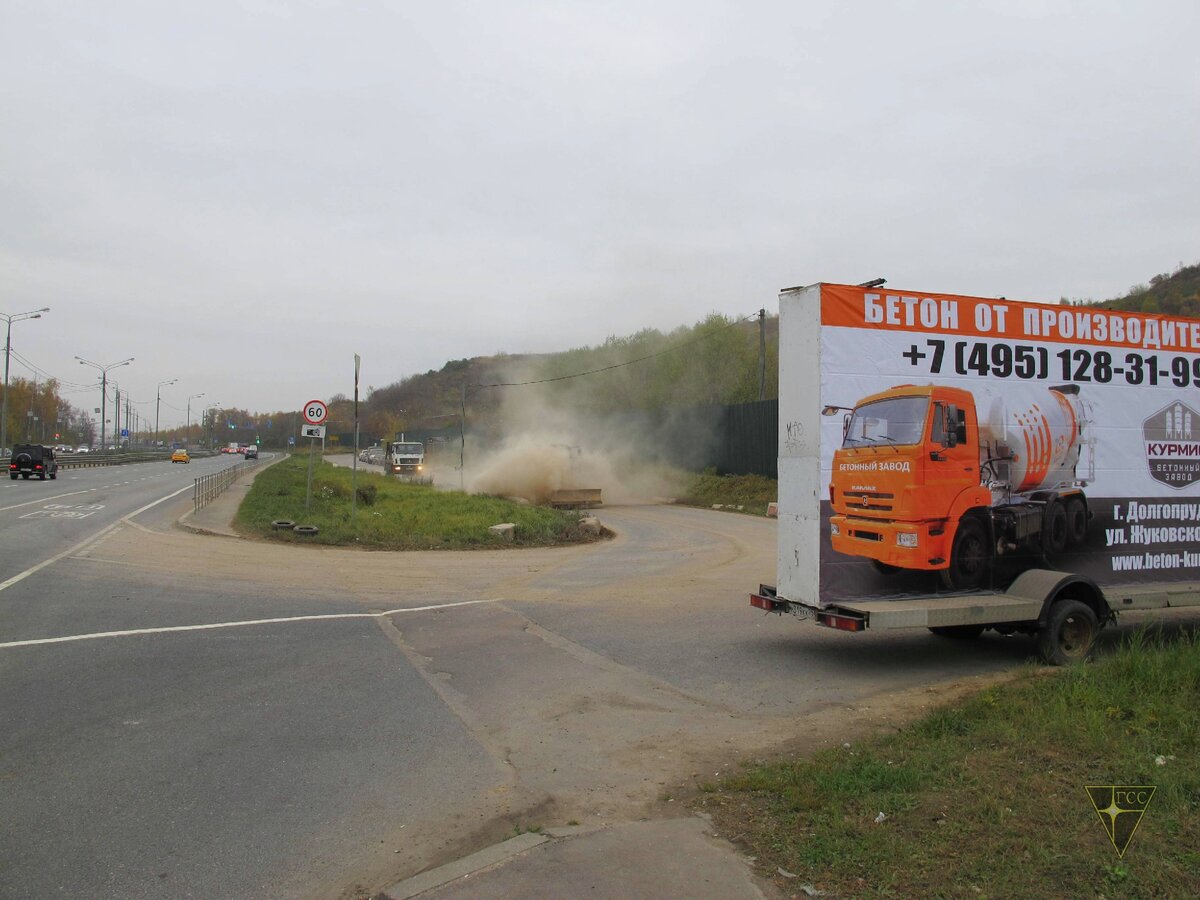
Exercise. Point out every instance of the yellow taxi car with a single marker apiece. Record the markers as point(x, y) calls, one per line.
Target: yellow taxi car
point(180, 456)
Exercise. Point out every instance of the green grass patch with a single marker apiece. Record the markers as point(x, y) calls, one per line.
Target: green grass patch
point(987, 798)
point(392, 514)
point(750, 492)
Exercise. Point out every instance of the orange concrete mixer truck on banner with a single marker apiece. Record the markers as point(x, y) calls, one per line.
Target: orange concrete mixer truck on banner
point(964, 463)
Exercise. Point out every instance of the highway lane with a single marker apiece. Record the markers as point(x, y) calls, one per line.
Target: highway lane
point(41, 519)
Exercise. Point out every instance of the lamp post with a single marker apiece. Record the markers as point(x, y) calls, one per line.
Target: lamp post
point(187, 435)
point(103, 387)
point(15, 317)
point(157, 404)
point(212, 418)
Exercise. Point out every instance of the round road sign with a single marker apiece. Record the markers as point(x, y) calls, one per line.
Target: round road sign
point(315, 412)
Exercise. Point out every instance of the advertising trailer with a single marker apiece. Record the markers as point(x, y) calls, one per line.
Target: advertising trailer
point(962, 463)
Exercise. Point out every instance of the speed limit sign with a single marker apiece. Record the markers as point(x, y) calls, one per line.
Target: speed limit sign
point(315, 412)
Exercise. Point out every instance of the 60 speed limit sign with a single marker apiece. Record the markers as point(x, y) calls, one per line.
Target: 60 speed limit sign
point(315, 412)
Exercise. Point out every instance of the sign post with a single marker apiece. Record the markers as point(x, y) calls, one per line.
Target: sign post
point(354, 461)
point(315, 412)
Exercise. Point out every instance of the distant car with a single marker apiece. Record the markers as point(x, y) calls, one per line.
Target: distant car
point(82, 448)
point(32, 459)
point(251, 452)
point(180, 456)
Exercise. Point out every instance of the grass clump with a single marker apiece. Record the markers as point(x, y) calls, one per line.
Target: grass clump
point(750, 492)
point(987, 797)
point(393, 514)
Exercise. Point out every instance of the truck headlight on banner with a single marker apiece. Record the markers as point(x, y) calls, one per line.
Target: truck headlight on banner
point(833, 528)
point(904, 539)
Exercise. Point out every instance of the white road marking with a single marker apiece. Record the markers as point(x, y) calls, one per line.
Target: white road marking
point(21, 576)
point(44, 499)
point(218, 625)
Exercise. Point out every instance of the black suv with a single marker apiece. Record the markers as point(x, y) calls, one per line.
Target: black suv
point(32, 459)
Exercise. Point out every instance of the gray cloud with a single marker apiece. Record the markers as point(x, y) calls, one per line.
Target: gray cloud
point(244, 195)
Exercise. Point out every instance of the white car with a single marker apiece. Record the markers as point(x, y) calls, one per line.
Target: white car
point(83, 449)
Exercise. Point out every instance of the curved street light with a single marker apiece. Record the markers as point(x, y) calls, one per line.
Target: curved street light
point(157, 403)
point(103, 386)
point(15, 317)
point(187, 435)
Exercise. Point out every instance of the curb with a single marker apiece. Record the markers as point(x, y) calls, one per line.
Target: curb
point(468, 865)
point(482, 859)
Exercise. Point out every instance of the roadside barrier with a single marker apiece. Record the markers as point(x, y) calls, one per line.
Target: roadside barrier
point(207, 488)
point(118, 458)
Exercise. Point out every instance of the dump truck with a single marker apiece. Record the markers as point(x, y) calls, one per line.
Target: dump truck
point(1021, 467)
point(405, 458)
point(979, 482)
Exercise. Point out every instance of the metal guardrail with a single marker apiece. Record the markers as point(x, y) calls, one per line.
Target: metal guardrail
point(118, 458)
point(207, 488)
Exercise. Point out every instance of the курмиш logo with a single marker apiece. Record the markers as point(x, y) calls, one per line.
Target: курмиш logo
point(1121, 807)
point(1172, 443)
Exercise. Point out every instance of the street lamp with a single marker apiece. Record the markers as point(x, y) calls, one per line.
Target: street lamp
point(157, 402)
point(15, 317)
point(103, 386)
point(187, 435)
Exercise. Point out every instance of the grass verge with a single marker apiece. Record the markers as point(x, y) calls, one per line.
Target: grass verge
point(988, 797)
point(740, 493)
point(393, 514)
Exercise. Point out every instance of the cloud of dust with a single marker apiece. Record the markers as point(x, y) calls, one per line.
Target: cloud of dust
point(536, 447)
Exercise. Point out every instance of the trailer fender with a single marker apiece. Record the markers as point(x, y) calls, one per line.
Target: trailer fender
point(1048, 586)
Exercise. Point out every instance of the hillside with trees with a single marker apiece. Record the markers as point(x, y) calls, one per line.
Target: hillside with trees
point(1177, 294)
point(715, 361)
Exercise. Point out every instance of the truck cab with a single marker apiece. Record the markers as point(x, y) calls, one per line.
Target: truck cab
point(907, 470)
point(405, 458)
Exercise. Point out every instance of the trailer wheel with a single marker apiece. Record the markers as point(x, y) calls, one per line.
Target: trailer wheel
point(970, 559)
point(1054, 528)
point(1069, 633)
point(1077, 520)
point(959, 632)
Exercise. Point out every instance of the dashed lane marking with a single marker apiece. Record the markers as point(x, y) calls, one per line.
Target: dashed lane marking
point(132, 632)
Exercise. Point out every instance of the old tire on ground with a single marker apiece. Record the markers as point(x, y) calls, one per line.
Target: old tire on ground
point(283, 524)
point(306, 530)
point(1069, 633)
point(970, 558)
point(1077, 521)
point(960, 632)
point(1054, 528)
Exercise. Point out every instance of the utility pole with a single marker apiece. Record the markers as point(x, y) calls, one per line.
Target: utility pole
point(15, 317)
point(762, 354)
point(158, 404)
point(103, 386)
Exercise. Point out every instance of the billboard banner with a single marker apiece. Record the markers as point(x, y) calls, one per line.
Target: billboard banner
point(966, 439)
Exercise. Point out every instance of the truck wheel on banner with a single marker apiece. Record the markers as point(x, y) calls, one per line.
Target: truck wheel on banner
point(1077, 521)
point(970, 558)
point(1054, 528)
point(1069, 633)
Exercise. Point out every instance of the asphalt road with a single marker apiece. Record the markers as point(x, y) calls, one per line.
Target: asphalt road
point(193, 716)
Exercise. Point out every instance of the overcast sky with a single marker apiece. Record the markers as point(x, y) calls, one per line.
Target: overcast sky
point(244, 195)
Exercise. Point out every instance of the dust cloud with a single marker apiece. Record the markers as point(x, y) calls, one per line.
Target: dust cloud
point(534, 444)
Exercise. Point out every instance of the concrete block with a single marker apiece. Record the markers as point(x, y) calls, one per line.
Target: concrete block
point(504, 531)
point(773, 510)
